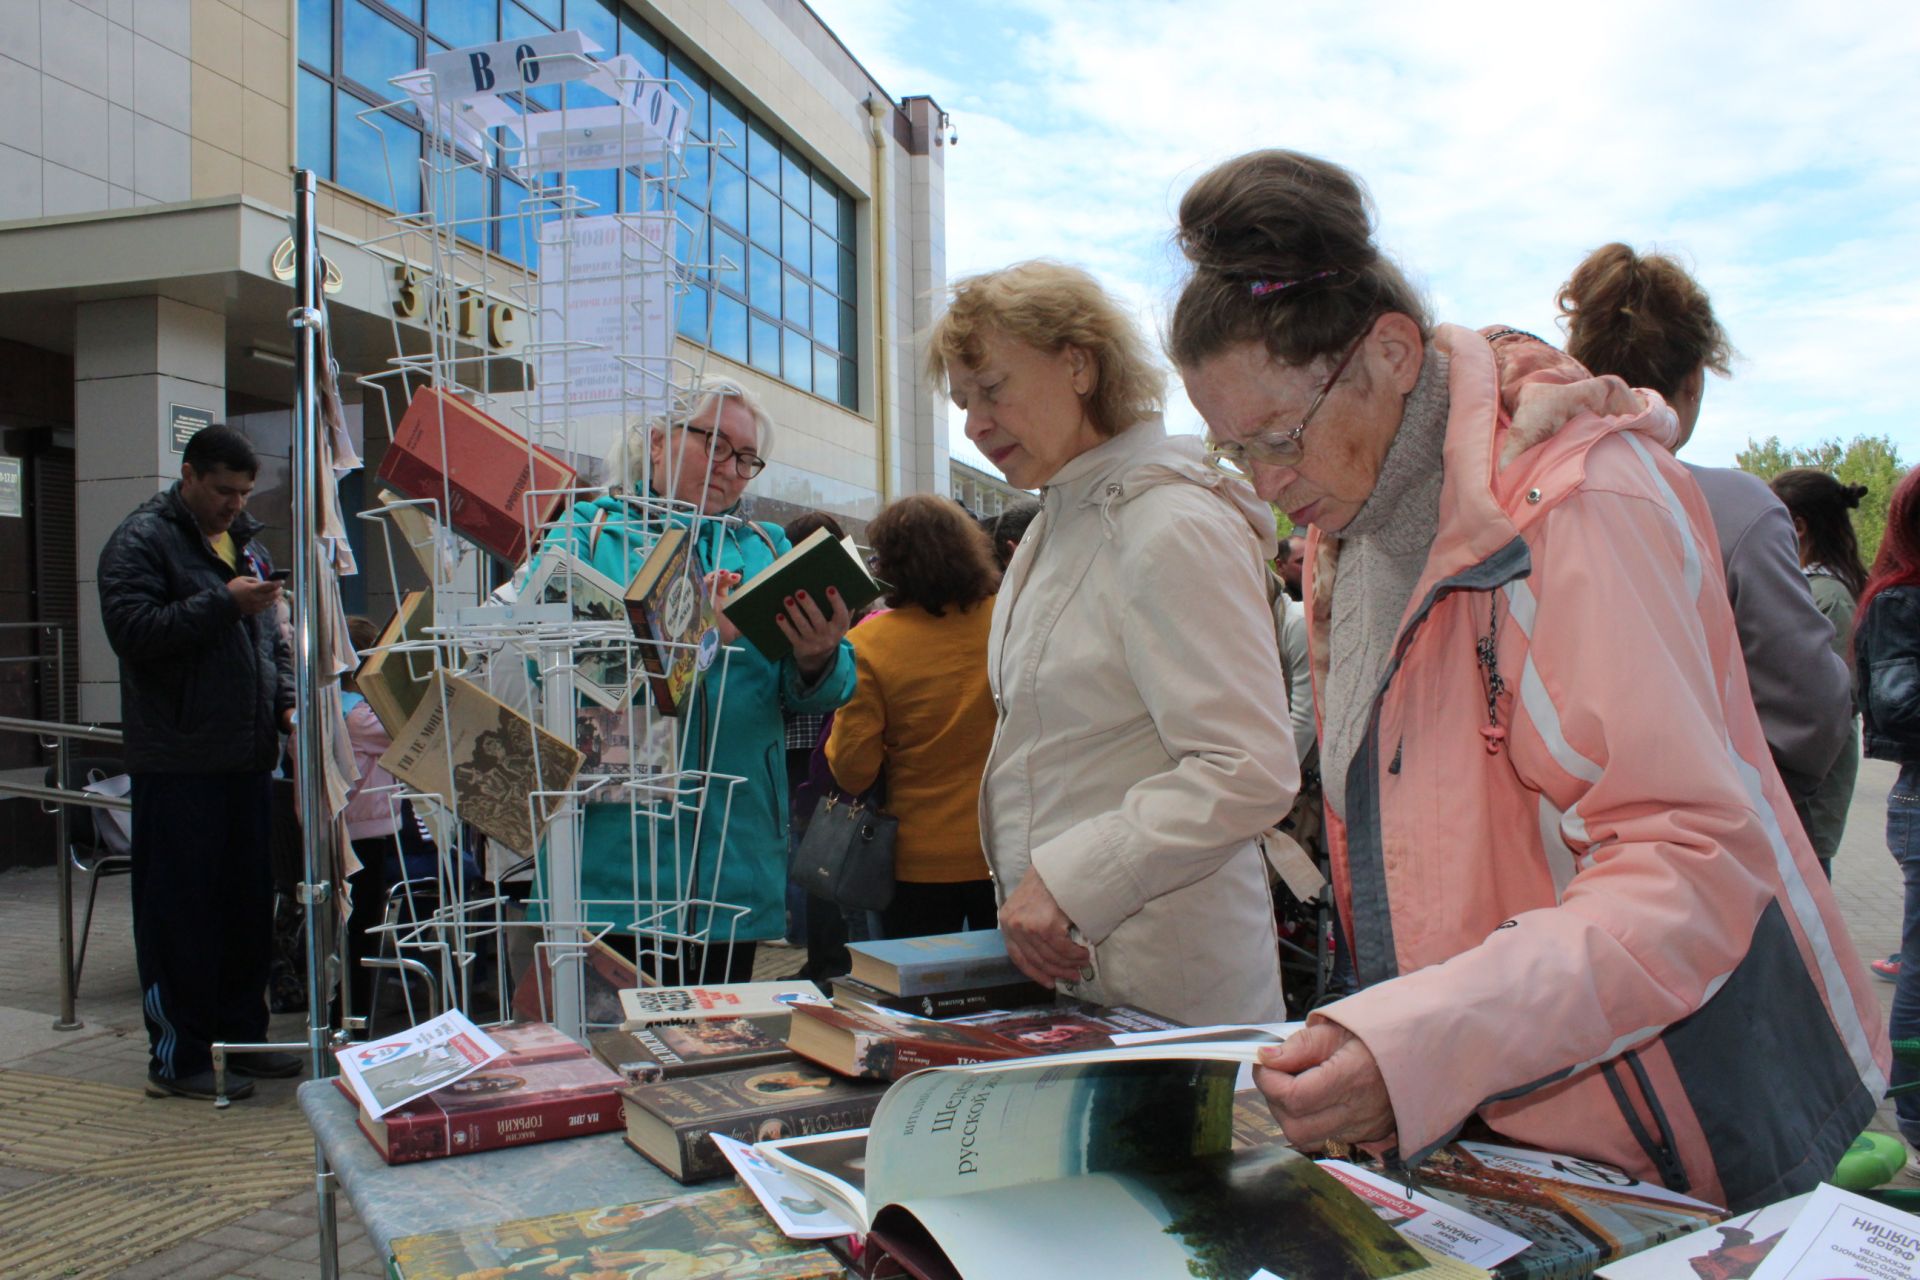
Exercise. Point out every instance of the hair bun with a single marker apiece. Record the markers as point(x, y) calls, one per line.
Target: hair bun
point(1853, 492)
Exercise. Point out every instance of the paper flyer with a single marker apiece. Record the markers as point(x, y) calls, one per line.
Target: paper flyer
point(794, 1208)
point(393, 1071)
point(1585, 1173)
point(1841, 1235)
point(1424, 1220)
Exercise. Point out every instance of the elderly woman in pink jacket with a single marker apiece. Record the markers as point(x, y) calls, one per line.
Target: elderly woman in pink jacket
point(1582, 914)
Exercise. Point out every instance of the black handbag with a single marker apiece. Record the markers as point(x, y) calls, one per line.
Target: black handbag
point(846, 855)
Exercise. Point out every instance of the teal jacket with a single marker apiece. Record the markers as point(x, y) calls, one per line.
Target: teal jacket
point(748, 742)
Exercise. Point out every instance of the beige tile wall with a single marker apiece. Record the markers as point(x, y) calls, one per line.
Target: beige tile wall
point(242, 59)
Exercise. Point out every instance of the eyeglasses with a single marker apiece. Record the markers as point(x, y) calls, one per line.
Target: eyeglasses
point(1279, 448)
point(721, 450)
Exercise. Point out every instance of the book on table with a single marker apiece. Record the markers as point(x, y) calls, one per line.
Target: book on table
point(1024, 994)
point(669, 613)
point(670, 1123)
point(604, 974)
point(669, 1051)
point(820, 561)
point(886, 1044)
point(938, 962)
point(394, 680)
point(711, 1235)
point(651, 1006)
point(491, 486)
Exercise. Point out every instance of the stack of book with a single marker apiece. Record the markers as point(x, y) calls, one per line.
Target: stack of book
point(944, 976)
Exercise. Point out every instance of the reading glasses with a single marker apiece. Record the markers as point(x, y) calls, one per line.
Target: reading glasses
point(1279, 448)
point(721, 450)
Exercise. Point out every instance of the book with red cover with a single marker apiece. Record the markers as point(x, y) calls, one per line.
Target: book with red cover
point(544, 1087)
point(479, 470)
point(885, 1044)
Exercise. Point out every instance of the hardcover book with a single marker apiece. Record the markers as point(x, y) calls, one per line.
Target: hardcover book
point(601, 671)
point(1023, 994)
point(668, 612)
point(670, 1051)
point(669, 1122)
point(393, 683)
point(604, 973)
point(884, 1044)
point(479, 471)
point(544, 1087)
point(715, 1235)
point(478, 754)
point(940, 962)
point(648, 1006)
point(819, 562)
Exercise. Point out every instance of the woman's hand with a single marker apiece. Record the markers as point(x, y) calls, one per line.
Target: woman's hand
point(719, 585)
point(814, 635)
point(1323, 1086)
point(1036, 933)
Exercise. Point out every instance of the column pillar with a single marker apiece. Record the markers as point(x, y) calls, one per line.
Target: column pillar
point(133, 360)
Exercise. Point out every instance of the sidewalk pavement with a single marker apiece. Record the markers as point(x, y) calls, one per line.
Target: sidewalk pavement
point(97, 1180)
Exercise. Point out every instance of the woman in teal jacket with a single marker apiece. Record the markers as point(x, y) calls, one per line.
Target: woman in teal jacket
point(703, 456)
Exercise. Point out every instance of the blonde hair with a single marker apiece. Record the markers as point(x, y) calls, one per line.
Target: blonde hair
point(1051, 306)
point(627, 462)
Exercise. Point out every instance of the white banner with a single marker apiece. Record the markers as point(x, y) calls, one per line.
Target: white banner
point(511, 65)
point(606, 315)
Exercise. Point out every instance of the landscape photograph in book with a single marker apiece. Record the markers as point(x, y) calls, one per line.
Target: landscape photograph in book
point(606, 738)
point(602, 671)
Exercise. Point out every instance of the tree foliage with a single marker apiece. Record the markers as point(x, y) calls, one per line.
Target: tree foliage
point(1869, 460)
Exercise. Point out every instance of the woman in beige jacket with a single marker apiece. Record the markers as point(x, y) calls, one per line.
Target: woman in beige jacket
point(1143, 742)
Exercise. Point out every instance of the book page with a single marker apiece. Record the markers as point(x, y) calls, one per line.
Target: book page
point(790, 1202)
point(393, 1071)
point(1841, 1234)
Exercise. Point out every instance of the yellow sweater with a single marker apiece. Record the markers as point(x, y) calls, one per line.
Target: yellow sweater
point(922, 708)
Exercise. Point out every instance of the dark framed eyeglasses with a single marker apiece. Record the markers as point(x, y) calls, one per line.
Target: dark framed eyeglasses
point(721, 450)
point(1281, 448)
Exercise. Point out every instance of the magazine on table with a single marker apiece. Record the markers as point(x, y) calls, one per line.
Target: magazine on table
point(1838, 1233)
point(393, 1071)
point(1729, 1250)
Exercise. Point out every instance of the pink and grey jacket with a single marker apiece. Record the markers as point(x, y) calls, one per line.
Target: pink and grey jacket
point(1608, 935)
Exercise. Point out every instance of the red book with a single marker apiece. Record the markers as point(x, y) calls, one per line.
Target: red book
point(479, 470)
point(885, 1044)
point(545, 1087)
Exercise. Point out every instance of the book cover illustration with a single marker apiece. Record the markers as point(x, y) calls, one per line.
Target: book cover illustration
point(620, 746)
point(478, 754)
point(645, 1006)
point(601, 671)
point(604, 973)
point(670, 1050)
point(718, 1235)
point(668, 612)
point(1730, 1250)
point(669, 1122)
point(384, 1074)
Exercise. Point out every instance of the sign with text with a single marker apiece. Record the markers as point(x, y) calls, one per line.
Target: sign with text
point(186, 420)
point(606, 321)
point(511, 65)
point(12, 494)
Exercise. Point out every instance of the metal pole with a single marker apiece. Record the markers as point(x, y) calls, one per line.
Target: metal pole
point(306, 320)
point(62, 854)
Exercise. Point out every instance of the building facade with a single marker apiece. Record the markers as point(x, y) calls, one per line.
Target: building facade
point(147, 149)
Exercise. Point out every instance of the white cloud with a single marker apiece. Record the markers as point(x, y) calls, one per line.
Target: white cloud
point(1772, 146)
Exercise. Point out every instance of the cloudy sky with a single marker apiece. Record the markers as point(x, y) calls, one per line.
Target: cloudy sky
point(1774, 146)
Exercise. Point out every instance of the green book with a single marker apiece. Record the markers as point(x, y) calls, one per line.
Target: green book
point(819, 562)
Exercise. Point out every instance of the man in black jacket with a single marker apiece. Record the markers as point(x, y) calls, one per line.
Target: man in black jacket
point(206, 689)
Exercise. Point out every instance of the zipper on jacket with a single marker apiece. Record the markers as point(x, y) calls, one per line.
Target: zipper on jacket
point(1398, 747)
point(1661, 1151)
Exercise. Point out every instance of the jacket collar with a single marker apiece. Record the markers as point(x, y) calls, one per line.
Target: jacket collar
point(1143, 457)
point(169, 503)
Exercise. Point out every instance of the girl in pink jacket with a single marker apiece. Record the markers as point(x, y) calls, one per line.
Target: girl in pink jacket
point(1581, 911)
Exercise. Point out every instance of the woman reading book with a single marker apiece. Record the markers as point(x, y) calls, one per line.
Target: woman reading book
point(1132, 773)
point(694, 466)
point(1581, 909)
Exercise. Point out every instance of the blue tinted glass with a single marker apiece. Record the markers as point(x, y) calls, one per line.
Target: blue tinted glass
point(578, 93)
point(727, 249)
point(598, 185)
point(763, 216)
point(379, 158)
point(848, 285)
point(462, 22)
point(640, 40)
point(471, 204)
point(692, 91)
point(825, 258)
point(796, 238)
point(315, 144)
point(730, 327)
point(763, 283)
point(849, 389)
point(849, 336)
point(406, 8)
point(642, 197)
point(824, 205)
point(763, 154)
point(763, 345)
point(548, 9)
point(729, 119)
point(826, 318)
point(826, 374)
point(518, 239)
point(795, 188)
point(595, 19)
point(798, 363)
point(799, 301)
point(730, 195)
point(692, 320)
point(690, 241)
point(699, 164)
point(517, 24)
point(845, 230)
point(375, 49)
point(316, 34)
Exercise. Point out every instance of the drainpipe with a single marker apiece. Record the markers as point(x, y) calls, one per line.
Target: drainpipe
point(878, 109)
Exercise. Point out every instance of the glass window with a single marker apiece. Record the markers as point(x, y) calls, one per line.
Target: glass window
point(826, 318)
point(825, 259)
point(763, 288)
point(730, 327)
point(314, 148)
point(825, 206)
point(796, 238)
point(548, 9)
point(375, 49)
point(462, 22)
point(405, 8)
point(639, 39)
point(798, 363)
point(727, 249)
point(578, 93)
point(693, 85)
point(472, 203)
point(730, 195)
point(517, 24)
point(826, 373)
point(379, 157)
point(845, 230)
point(690, 240)
point(595, 19)
point(848, 285)
point(799, 301)
point(763, 216)
point(763, 345)
point(849, 389)
point(518, 241)
point(692, 320)
point(316, 36)
point(795, 189)
point(763, 154)
point(641, 197)
point(730, 119)
point(597, 185)
point(698, 162)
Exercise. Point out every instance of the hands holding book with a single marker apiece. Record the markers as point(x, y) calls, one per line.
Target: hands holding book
point(1323, 1086)
point(815, 635)
point(1038, 934)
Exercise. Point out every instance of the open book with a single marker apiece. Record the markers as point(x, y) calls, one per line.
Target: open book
point(1116, 1161)
point(817, 563)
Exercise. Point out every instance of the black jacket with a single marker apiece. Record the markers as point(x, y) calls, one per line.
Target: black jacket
point(201, 687)
point(1886, 674)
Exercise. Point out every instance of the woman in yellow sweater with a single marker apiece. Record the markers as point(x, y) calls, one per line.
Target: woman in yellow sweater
point(921, 711)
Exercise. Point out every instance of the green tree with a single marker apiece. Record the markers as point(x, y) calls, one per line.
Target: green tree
point(1872, 461)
